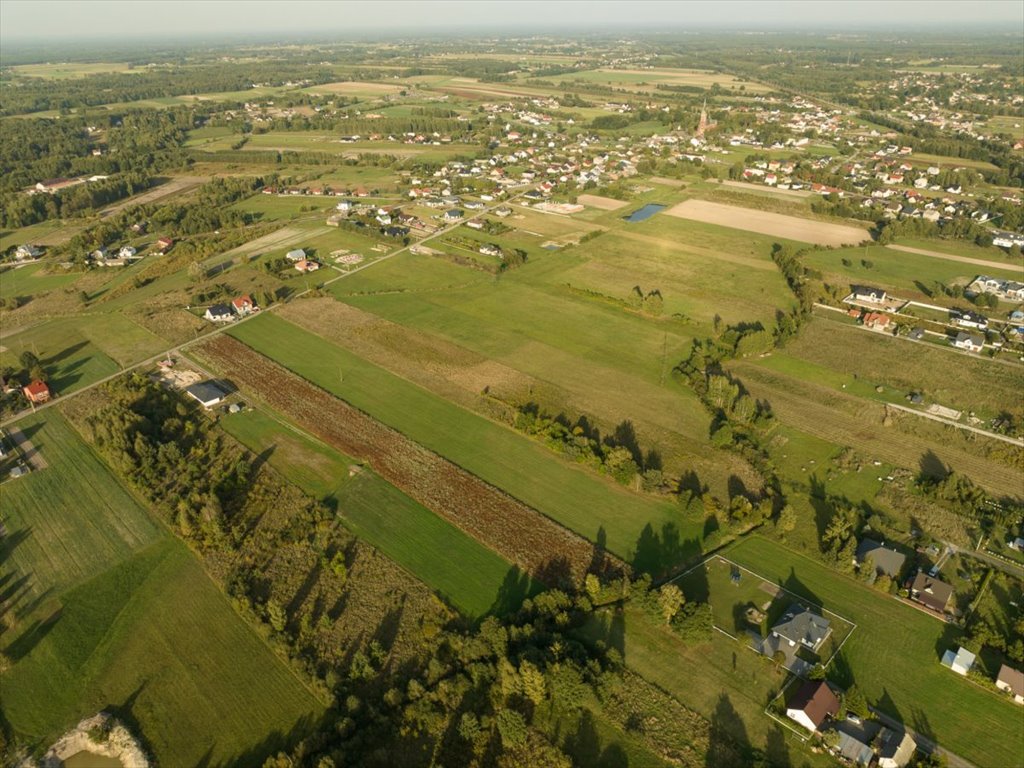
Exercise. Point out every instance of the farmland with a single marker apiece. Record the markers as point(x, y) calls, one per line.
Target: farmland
point(566, 493)
point(431, 548)
point(773, 224)
point(541, 547)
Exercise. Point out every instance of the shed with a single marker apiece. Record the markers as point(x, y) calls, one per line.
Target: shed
point(206, 393)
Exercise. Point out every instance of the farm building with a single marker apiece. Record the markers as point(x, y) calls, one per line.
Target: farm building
point(887, 561)
point(206, 393)
point(297, 255)
point(307, 266)
point(219, 313)
point(812, 705)
point(37, 392)
point(960, 662)
point(931, 593)
point(1012, 681)
point(798, 626)
point(867, 293)
point(972, 342)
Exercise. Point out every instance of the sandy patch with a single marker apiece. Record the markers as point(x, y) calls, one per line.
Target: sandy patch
point(798, 193)
point(665, 181)
point(765, 223)
point(604, 203)
point(356, 87)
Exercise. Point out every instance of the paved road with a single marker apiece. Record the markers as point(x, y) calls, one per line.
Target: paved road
point(951, 257)
point(994, 435)
point(176, 350)
point(28, 451)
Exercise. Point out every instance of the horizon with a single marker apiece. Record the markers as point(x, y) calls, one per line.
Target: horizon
point(28, 23)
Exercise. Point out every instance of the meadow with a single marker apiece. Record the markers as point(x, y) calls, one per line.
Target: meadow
point(893, 657)
point(569, 494)
point(33, 279)
point(105, 611)
point(153, 640)
point(431, 548)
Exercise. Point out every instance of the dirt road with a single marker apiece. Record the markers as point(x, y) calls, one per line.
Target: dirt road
point(963, 259)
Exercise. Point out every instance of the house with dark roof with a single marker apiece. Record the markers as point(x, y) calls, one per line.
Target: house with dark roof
point(206, 393)
point(886, 560)
point(972, 342)
point(798, 626)
point(852, 748)
point(867, 293)
point(931, 592)
point(220, 313)
point(812, 705)
point(1012, 681)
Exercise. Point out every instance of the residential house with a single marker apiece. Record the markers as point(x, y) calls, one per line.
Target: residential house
point(19, 471)
point(886, 560)
point(867, 293)
point(307, 266)
point(164, 244)
point(854, 749)
point(25, 252)
point(206, 393)
point(877, 321)
point(972, 342)
point(969, 319)
point(916, 334)
point(812, 705)
point(1012, 681)
point(799, 626)
point(127, 252)
point(244, 305)
point(297, 255)
point(37, 392)
point(895, 748)
point(219, 313)
point(960, 662)
point(931, 592)
point(490, 249)
point(453, 215)
point(475, 224)
point(503, 211)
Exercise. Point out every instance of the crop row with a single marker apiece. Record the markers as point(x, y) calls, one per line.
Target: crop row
point(517, 532)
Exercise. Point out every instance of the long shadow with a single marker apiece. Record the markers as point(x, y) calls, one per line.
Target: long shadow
point(728, 742)
point(31, 637)
point(776, 749)
point(823, 511)
point(947, 640)
point(919, 722)
point(583, 745)
point(278, 741)
point(125, 712)
point(932, 467)
point(64, 353)
point(887, 705)
point(794, 585)
point(515, 587)
point(658, 554)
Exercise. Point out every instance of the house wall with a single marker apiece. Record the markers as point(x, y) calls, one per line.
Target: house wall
point(799, 716)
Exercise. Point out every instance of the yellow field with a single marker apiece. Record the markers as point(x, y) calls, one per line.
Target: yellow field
point(765, 223)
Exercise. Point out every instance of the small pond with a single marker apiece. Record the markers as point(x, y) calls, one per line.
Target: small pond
point(644, 213)
point(86, 759)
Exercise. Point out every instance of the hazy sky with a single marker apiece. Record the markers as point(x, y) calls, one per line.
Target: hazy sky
point(92, 19)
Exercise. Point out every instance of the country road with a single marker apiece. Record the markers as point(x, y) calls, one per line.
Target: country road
point(177, 349)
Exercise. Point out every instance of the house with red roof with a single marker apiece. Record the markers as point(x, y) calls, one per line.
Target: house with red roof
point(37, 392)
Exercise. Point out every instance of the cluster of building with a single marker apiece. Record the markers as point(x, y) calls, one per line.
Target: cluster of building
point(243, 306)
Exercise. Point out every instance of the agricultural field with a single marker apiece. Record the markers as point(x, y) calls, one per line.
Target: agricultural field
point(71, 69)
point(772, 224)
point(544, 549)
point(33, 279)
point(431, 548)
point(645, 79)
point(152, 639)
point(569, 494)
point(356, 88)
point(893, 657)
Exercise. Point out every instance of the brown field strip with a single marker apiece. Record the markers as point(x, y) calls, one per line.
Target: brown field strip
point(849, 421)
point(603, 203)
point(514, 530)
point(172, 187)
point(772, 224)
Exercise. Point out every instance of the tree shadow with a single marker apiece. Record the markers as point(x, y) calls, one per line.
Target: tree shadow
point(919, 723)
point(556, 573)
point(23, 645)
point(931, 467)
point(64, 354)
point(583, 745)
point(515, 588)
point(728, 743)
point(625, 436)
point(776, 749)
point(823, 510)
point(888, 706)
point(656, 554)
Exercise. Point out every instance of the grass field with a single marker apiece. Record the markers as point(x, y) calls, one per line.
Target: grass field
point(52, 232)
point(434, 550)
point(70, 521)
point(69, 70)
point(70, 359)
point(27, 281)
point(154, 641)
point(893, 657)
point(644, 79)
point(510, 461)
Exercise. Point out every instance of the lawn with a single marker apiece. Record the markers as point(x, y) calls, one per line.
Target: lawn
point(154, 641)
point(70, 521)
point(569, 494)
point(893, 656)
point(33, 279)
point(71, 360)
point(435, 551)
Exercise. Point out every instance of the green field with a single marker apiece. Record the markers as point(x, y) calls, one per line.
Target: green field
point(462, 570)
point(569, 494)
point(27, 281)
point(72, 520)
point(154, 641)
point(65, 71)
point(105, 611)
point(893, 656)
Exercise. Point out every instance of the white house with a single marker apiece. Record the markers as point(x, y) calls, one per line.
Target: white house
point(220, 313)
point(1012, 681)
point(969, 341)
point(27, 252)
point(813, 703)
point(867, 293)
point(126, 252)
